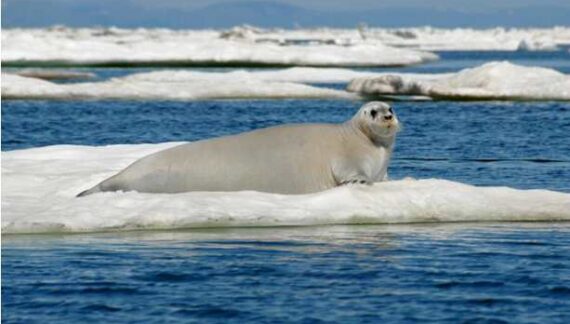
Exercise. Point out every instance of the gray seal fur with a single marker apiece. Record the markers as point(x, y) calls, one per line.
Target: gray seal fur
point(287, 159)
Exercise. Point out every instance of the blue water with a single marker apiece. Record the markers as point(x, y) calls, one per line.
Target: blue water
point(369, 274)
point(443, 273)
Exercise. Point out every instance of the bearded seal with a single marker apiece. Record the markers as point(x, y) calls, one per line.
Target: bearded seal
point(287, 159)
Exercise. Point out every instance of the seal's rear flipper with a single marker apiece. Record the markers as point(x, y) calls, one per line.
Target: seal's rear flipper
point(89, 191)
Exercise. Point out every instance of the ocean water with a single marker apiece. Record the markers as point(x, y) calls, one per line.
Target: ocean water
point(444, 273)
point(463, 273)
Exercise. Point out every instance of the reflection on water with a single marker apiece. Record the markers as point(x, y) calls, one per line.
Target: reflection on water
point(428, 272)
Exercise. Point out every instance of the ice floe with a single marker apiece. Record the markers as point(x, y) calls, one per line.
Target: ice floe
point(490, 81)
point(245, 45)
point(294, 74)
point(113, 46)
point(422, 38)
point(147, 88)
point(468, 39)
point(39, 187)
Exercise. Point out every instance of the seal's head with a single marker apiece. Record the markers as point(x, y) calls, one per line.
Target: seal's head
point(377, 120)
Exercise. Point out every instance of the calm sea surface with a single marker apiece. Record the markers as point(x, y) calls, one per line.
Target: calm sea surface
point(444, 273)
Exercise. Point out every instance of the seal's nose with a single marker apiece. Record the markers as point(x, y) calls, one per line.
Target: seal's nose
point(388, 117)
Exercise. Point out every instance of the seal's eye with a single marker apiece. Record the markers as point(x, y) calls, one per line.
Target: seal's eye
point(390, 110)
point(373, 113)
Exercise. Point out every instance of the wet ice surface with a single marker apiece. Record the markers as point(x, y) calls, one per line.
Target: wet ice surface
point(35, 201)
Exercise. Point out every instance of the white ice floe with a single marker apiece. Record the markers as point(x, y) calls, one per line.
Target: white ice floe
point(490, 81)
point(249, 45)
point(468, 39)
point(294, 74)
point(163, 46)
point(215, 87)
point(422, 38)
point(39, 187)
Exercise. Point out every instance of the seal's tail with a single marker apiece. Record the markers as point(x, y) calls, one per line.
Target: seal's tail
point(93, 190)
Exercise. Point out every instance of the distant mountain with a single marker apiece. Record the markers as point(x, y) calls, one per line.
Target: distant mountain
point(39, 13)
point(258, 13)
point(130, 13)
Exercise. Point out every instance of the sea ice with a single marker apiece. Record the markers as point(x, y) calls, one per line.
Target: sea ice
point(215, 87)
point(293, 74)
point(468, 39)
point(422, 38)
point(39, 187)
point(67, 46)
point(490, 81)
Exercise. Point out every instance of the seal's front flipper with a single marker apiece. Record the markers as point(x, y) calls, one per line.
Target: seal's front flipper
point(355, 181)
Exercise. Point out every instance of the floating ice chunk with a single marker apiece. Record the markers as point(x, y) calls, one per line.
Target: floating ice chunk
point(244, 32)
point(490, 81)
point(17, 87)
point(189, 85)
point(423, 38)
point(39, 187)
point(64, 46)
point(294, 74)
point(467, 39)
point(248, 45)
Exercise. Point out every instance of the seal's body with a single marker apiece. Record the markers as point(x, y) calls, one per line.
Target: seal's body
point(288, 159)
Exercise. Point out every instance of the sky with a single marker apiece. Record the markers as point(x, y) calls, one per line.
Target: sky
point(367, 4)
point(285, 13)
